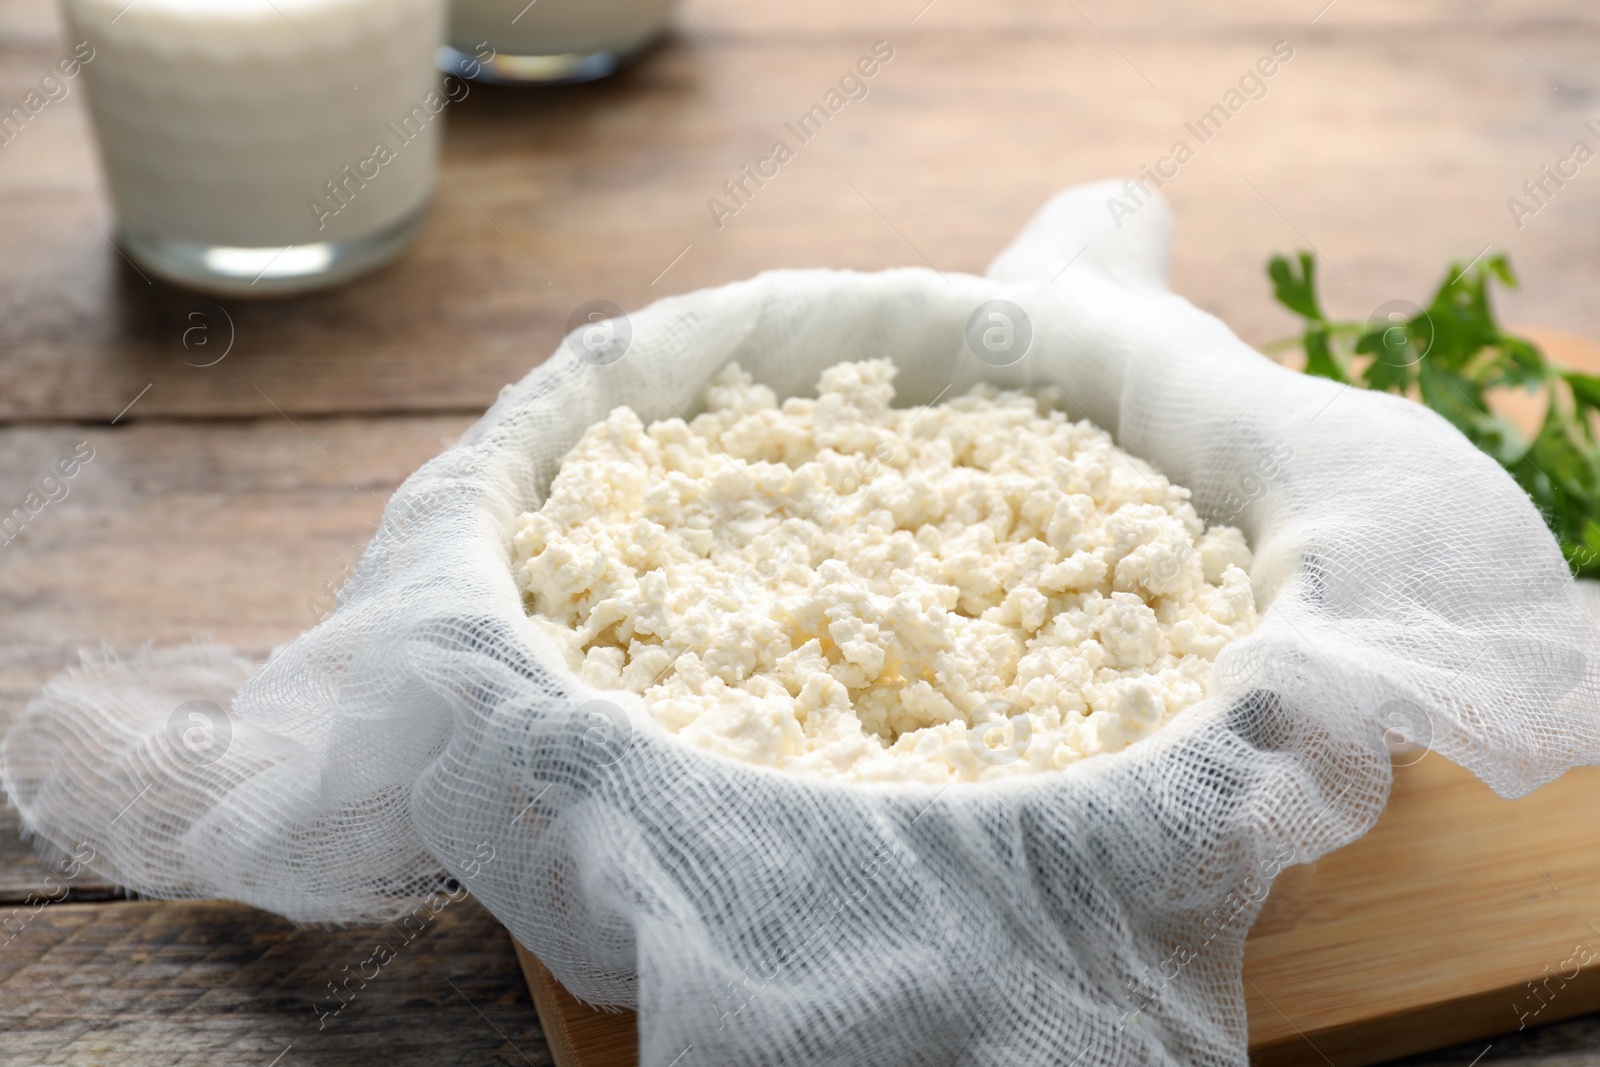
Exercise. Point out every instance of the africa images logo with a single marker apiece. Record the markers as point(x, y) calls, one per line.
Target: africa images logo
point(200, 731)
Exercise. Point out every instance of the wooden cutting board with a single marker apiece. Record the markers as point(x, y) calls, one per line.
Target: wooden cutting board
point(1430, 930)
point(1459, 916)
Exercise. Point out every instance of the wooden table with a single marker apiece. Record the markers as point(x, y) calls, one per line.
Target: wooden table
point(230, 499)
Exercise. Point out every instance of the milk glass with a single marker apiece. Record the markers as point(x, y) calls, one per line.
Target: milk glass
point(259, 147)
point(549, 41)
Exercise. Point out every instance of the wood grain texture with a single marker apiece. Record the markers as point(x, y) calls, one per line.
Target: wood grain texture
point(205, 983)
point(1428, 930)
point(1391, 142)
point(577, 1033)
point(1565, 1044)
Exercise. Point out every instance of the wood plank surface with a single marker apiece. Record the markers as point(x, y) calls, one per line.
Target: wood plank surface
point(577, 1033)
point(206, 984)
point(1428, 930)
point(1391, 142)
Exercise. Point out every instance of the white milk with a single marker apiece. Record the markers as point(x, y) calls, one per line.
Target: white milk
point(260, 146)
point(549, 40)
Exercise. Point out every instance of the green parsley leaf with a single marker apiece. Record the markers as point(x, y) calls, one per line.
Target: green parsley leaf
point(1450, 356)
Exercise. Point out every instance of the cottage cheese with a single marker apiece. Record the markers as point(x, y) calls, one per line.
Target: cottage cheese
point(839, 588)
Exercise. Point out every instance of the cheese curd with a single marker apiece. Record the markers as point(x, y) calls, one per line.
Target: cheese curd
point(840, 588)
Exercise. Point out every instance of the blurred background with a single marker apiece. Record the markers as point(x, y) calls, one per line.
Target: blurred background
point(1391, 142)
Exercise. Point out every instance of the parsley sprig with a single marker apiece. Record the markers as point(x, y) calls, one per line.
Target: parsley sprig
point(1450, 355)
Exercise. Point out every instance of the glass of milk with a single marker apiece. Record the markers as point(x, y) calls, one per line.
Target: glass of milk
point(548, 41)
point(262, 147)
